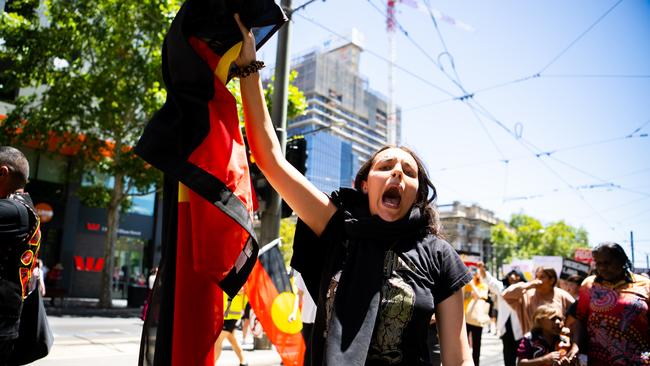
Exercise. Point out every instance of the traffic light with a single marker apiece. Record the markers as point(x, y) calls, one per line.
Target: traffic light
point(297, 156)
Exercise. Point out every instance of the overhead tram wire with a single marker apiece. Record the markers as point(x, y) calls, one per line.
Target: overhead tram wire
point(638, 129)
point(530, 147)
point(540, 73)
point(444, 46)
point(510, 132)
point(383, 14)
point(437, 64)
point(595, 76)
point(484, 111)
point(377, 55)
point(580, 37)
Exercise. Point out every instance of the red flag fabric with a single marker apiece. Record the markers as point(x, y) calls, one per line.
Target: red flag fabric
point(208, 241)
point(198, 314)
point(272, 299)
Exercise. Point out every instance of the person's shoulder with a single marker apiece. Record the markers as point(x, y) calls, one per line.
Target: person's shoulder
point(11, 208)
point(436, 243)
point(637, 278)
point(641, 281)
point(529, 336)
point(589, 281)
point(563, 294)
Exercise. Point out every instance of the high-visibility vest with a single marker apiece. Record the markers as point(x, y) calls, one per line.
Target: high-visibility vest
point(237, 306)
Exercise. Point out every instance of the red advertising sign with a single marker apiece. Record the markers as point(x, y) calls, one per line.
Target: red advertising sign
point(583, 255)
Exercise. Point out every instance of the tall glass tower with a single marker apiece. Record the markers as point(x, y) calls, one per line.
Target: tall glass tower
point(345, 121)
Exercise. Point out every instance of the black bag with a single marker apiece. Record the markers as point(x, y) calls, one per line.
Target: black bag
point(35, 336)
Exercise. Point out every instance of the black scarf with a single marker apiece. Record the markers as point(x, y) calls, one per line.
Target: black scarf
point(359, 290)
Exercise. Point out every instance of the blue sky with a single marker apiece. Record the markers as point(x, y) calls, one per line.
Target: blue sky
point(595, 177)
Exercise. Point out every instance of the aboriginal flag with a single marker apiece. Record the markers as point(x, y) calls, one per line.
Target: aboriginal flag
point(271, 297)
point(208, 241)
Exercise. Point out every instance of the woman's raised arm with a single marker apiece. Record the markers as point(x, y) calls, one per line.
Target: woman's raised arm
point(312, 206)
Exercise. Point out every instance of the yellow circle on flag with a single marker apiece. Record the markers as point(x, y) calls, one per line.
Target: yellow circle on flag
point(280, 311)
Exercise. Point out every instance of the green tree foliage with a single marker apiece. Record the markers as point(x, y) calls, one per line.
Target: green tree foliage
point(96, 70)
point(525, 236)
point(297, 103)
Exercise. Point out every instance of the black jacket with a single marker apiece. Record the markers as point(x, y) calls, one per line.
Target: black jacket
point(18, 223)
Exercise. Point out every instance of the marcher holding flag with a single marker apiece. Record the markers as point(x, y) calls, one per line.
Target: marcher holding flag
point(371, 256)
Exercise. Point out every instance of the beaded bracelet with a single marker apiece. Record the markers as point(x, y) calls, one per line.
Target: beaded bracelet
point(253, 67)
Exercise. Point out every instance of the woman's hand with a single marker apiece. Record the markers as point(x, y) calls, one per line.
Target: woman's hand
point(553, 358)
point(247, 54)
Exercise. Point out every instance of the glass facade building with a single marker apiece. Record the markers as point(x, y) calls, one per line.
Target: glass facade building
point(345, 121)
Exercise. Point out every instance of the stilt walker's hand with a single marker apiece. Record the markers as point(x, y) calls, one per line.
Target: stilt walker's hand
point(247, 53)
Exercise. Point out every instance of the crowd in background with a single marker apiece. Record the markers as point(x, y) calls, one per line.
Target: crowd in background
point(599, 320)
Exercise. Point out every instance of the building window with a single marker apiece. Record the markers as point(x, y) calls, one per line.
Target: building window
point(52, 168)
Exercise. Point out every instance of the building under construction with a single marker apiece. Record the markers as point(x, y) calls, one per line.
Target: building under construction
point(345, 121)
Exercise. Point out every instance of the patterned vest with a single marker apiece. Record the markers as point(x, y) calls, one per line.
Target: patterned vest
point(22, 256)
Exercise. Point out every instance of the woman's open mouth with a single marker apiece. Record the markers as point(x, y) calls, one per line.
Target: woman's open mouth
point(391, 198)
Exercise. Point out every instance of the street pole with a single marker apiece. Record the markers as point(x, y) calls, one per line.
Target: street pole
point(270, 225)
point(632, 246)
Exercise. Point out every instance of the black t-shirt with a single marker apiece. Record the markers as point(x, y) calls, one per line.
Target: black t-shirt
point(15, 226)
point(417, 275)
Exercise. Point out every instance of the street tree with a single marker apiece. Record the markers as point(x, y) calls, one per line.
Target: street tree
point(95, 71)
point(524, 236)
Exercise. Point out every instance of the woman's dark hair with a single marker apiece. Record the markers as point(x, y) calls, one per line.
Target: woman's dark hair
point(517, 272)
point(426, 191)
point(617, 251)
point(549, 271)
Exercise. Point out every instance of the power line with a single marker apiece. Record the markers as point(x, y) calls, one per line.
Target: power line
point(444, 46)
point(383, 14)
point(530, 147)
point(594, 76)
point(580, 37)
point(639, 128)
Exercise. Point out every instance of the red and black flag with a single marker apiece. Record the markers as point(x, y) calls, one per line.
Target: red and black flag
point(271, 297)
point(195, 139)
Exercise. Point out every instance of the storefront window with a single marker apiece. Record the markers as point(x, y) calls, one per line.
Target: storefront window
point(52, 168)
point(128, 270)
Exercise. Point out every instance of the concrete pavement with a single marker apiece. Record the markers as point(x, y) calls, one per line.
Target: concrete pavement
point(104, 341)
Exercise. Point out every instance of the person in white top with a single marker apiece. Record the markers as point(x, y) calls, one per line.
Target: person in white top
point(508, 326)
point(308, 314)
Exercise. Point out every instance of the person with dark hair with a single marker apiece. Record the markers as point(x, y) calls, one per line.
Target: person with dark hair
point(508, 327)
point(572, 286)
point(545, 345)
point(525, 297)
point(20, 239)
point(612, 314)
point(372, 257)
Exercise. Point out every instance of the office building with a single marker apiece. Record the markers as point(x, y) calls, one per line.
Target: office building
point(345, 121)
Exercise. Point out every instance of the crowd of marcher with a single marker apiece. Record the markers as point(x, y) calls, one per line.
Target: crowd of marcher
point(599, 320)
